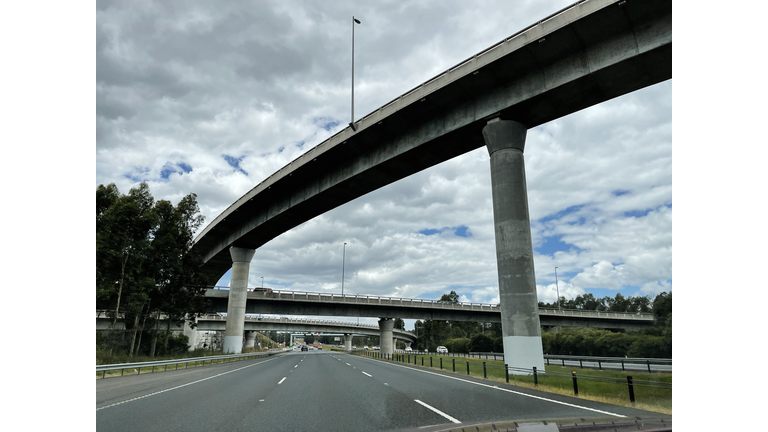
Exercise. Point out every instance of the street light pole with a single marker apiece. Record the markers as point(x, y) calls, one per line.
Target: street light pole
point(352, 121)
point(558, 290)
point(343, 257)
point(262, 281)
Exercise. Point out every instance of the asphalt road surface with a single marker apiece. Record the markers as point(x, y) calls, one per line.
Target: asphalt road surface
point(321, 390)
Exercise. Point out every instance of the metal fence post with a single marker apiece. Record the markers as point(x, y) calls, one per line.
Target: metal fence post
point(467, 367)
point(648, 362)
point(484, 374)
point(430, 361)
point(535, 377)
point(441, 363)
point(575, 385)
point(506, 371)
point(631, 390)
point(454, 364)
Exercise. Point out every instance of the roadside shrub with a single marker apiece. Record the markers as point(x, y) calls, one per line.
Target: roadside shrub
point(458, 345)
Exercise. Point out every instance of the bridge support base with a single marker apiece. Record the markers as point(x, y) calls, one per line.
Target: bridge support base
point(347, 342)
point(520, 326)
point(386, 325)
point(238, 294)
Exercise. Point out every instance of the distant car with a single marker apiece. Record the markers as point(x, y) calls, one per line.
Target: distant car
point(265, 290)
point(304, 348)
point(408, 349)
point(365, 347)
point(320, 348)
point(442, 349)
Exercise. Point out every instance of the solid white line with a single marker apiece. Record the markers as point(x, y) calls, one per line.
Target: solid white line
point(508, 391)
point(183, 385)
point(349, 364)
point(281, 381)
point(438, 411)
point(368, 374)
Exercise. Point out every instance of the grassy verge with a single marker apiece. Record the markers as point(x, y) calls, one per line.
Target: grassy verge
point(649, 395)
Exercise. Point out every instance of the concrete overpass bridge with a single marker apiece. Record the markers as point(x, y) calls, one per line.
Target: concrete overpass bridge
point(279, 302)
point(217, 322)
point(585, 54)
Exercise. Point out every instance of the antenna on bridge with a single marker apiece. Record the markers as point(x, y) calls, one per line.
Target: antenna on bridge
point(352, 122)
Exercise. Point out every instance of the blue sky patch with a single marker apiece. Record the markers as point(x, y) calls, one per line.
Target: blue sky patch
point(235, 162)
point(554, 244)
point(459, 231)
point(326, 123)
point(620, 192)
point(185, 168)
point(637, 213)
point(562, 213)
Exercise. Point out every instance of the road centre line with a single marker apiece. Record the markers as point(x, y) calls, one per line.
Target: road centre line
point(184, 385)
point(437, 411)
point(507, 390)
point(367, 374)
point(281, 381)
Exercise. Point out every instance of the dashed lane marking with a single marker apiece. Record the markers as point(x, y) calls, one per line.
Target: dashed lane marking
point(437, 411)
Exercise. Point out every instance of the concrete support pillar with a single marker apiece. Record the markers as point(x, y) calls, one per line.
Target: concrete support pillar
point(347, 342)
point(520, 326)
point(238, 284)
point(250, 339)
point(386, 325)
point(191, 334)
point(407, 344)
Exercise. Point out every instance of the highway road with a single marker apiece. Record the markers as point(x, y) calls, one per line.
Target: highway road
point(322, 390)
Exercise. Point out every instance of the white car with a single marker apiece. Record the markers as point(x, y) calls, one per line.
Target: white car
point(442, 349)
point(408, 349)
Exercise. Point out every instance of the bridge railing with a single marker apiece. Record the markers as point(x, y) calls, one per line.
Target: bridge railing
point(402, 301)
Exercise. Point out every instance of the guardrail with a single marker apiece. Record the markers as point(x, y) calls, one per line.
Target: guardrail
point(552, 378)
point(567, 360)
point(195, 360)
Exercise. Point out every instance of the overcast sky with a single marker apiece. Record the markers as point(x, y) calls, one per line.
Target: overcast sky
point(212, 98)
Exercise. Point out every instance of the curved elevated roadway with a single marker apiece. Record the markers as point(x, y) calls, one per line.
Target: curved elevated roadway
point(590, 52)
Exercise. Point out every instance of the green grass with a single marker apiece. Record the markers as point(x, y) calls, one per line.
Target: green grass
point(560, 381)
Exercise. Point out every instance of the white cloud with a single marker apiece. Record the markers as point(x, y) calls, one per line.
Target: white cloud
point(261, 81)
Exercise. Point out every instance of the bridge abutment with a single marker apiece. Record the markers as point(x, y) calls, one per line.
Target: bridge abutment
point(347, 342)
point(386, 325)
point(238, 292)
point(520, 327)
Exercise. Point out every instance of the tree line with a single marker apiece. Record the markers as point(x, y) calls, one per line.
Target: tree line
point(654, 342)
point(145, 267)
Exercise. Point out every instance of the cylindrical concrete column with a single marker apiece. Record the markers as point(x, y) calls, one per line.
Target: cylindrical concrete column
point(238, 284)
point(347, 342)
point(520, 327)
point(190, 333)
point(386, 325)
point(250, 339)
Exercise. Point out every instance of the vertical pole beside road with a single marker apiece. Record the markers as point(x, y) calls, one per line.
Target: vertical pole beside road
point(631, 390)
point(575, 385)
point(535, 377)
point(506, 370)
point(484, 374)
point(454, 364)
point(467, 367)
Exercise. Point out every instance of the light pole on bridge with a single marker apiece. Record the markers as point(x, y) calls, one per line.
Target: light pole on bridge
point(352, 122)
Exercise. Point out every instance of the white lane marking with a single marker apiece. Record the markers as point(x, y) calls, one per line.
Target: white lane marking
point(183, 385)
point(367, 374)
point(281, 381)
point(437, 411)
point(349, 364)
point(508, 391)
point(296, 366)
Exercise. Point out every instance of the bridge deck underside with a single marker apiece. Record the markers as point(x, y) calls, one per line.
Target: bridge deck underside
point(607, 53)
